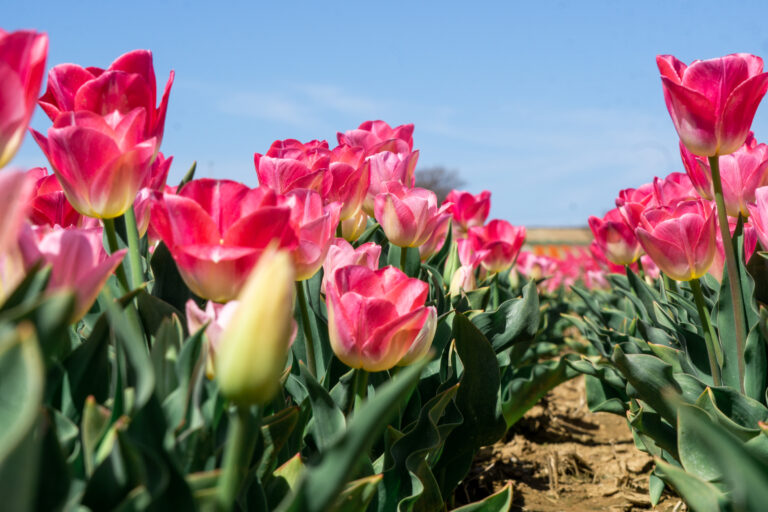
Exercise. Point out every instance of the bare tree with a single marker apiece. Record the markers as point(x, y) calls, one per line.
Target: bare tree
point(439, 180)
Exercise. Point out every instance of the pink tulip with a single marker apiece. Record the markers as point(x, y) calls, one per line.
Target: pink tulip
point(22, 63)
point(290, 165)
point(315, 226)
point(462, 280)
point(496, 244)
point(376, 317)
point(214, 319)
point(77, 258)
point(599, 256)
point(342, 254)
point(16, 189)
point(672, 189)
point(468, 210)
point(615, 238)
point(376, 136)
point(758, 215)
point(712, 102)
point(741, 173)
point(632, 201)
point(127, 84)
point(409, 216)
point(680, 239)
point(101, 162)
point(48, 205)
point(387, 166)
point(216, 230)
point(436, 238)
point(350, 178)
point(151, 190)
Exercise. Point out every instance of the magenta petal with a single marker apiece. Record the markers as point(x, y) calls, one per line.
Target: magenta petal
point(693, 116)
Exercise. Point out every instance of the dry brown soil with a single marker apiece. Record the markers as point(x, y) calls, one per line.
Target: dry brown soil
point(561, 457)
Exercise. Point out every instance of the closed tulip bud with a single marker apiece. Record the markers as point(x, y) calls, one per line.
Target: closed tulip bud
point(254, 345)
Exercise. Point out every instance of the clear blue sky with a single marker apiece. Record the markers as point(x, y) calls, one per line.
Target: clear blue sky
point(553, 106)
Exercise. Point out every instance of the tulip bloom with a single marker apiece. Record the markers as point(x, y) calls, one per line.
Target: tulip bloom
point(101, 162)
point(712, 102)
point(436, 239)
point(496, 244)
point(632, 201)
point(15, 190)
point(127, 84)
point(615, 238)
point(355, 226)
point(22, 63)
point(376, 317)
point(387, 166)
point(672, 189)
point(314, 225)
point(342, 254)
point(77, 258)
point(759, 215)
point(680, 239)
point(468, 210)
point(216, 230)
point(409, 216)
point(350, 178)
point(290, 165)
point(377, 136)
point(253, 347)
point(48, 205)
point(741, 173)
point(214, 319)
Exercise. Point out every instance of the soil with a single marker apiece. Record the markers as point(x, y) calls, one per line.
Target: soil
point(561, 457)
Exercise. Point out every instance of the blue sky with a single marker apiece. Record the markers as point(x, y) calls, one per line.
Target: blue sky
point(553, 106)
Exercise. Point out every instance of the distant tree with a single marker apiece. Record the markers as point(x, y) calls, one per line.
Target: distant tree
point(439, 180)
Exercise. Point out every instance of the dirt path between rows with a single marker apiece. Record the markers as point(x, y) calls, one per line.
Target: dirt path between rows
point(561, 457)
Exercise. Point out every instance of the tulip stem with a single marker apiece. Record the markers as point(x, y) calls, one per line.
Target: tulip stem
point(361, 387)
point(710, 336)
point(732, 266)
point(403, 258)
point(308, 341)
point(240, 444)
point(113, 247)
point(495, 291)
point(640, 269)
point(134, 257)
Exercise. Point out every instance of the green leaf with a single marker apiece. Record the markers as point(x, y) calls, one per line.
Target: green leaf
point(694, 455)
point(189, 176)
point(328, 421)
point(515, 321)
point(409, 482)
point(357, 495)
point(698, 494)
point(21, 389)
point(529, 385)
point(477, 401)
point(499, 502)
point(323, 482)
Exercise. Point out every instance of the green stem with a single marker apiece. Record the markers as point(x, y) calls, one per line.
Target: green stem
point(308, 341)
point(740, 327)
point(640, 269)
point(109, 229)
point(710, 337)
point(134, 256)
point(495, 291)
point(361, 387)
point(240, 445)
point(403, 258)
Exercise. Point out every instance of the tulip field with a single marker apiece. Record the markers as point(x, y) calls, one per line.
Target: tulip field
point(336, 339)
